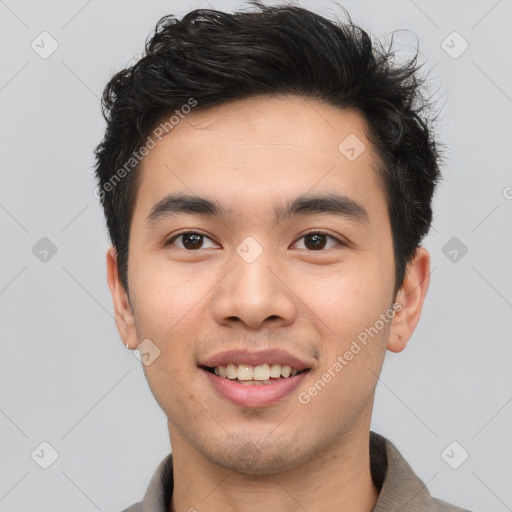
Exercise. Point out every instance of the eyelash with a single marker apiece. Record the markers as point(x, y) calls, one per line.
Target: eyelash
point(316, 232)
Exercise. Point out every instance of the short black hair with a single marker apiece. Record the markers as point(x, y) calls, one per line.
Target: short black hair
point(211, 57)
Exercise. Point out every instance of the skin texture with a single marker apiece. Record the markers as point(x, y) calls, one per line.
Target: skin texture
point(251, 155)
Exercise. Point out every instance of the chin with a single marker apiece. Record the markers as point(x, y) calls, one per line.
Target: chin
point(252, 457)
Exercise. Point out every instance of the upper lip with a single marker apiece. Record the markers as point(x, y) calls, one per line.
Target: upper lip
point(269, 356)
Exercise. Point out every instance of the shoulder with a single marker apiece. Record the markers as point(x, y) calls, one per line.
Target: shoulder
point(159, 491)
point(400, 488)
point(442, 506)
point(136, 507)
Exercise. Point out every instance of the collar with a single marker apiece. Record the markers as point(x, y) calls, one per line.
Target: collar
point(399, 487)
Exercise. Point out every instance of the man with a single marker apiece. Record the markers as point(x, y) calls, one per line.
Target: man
point(267, 179)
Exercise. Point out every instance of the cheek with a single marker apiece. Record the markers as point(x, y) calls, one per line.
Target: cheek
point(166, 300)
point(347, 310)
point(166, 305)
point(353, 347)
point(348, 299)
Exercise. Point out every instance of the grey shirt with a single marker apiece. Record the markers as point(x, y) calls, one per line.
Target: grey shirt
point(399, 488)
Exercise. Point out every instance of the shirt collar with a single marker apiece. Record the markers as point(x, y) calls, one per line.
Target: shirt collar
point(399, 487)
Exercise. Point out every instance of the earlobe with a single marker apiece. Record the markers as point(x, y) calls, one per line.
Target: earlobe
point(398, 344)
point(410, 297)
point(123, 313)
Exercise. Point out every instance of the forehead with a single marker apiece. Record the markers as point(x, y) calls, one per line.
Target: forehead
point(249, 151)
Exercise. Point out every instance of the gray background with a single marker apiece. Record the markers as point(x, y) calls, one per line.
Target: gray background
point(66, 377)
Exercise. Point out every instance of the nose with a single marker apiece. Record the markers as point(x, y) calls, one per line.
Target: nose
point(255, 294)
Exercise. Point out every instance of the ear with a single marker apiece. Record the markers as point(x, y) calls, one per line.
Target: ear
point(409, 300)
point(123, 313)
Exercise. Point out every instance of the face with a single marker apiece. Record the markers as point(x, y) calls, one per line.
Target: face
point(257, 241)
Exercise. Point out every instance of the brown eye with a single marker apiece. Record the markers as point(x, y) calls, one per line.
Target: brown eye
point(316, 241)
point(190, 241)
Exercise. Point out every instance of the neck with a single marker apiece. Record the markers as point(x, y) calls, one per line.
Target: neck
point(338, 478)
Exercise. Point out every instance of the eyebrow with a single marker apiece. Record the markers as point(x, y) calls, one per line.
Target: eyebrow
point(334, 204)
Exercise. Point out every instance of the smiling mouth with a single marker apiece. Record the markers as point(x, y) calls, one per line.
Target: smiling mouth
point(250, 375)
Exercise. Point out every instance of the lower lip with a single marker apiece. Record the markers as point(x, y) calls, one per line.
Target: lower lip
point(255, 395)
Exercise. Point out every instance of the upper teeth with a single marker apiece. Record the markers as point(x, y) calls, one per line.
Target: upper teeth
point(250, 372)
